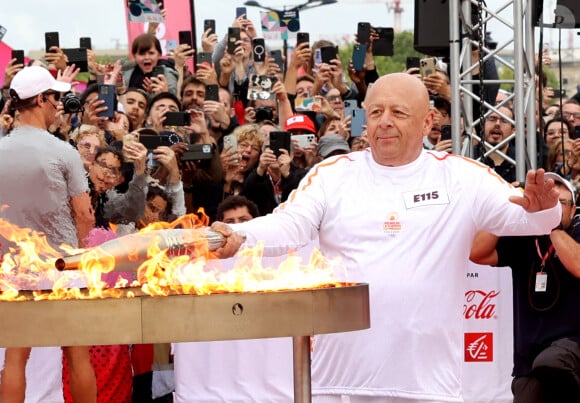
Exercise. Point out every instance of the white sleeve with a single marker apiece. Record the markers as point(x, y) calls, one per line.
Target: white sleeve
point(294, 223)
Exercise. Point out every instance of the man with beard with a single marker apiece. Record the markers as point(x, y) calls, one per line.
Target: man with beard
point(497, 130)
point(135, 102)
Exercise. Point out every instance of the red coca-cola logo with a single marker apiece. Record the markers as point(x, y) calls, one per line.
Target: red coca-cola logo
point(479, 304)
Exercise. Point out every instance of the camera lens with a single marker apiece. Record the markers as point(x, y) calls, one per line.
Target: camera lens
point(71, 103)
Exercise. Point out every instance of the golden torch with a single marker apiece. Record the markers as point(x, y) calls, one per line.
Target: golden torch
point(131, 250)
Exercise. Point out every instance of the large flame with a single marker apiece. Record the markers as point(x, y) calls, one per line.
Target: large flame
point(29, 264)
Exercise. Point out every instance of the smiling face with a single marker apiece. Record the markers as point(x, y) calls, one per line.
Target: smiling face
point(398, 116)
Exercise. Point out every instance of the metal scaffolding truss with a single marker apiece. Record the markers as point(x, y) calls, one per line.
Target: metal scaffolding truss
point(516, 15)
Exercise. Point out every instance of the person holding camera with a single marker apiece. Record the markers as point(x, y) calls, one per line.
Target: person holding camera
point(49, 194)
point(546, 296)
point(413, 350)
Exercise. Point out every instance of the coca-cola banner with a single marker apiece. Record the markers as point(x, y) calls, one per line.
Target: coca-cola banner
point(488, 341)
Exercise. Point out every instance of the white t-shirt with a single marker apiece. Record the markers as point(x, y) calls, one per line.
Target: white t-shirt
point(407, 232)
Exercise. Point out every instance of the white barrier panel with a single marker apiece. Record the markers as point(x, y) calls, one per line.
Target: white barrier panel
point(488, 341)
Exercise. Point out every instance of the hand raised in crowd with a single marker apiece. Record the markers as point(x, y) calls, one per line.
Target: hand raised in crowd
point(337, 77)
point(136, 153)
point(198, 124)
point(56, 57)
point(206, 74)
point(267, 159)
point(357, 77)
point(94, 67)
point(301, 56)
point(113, 73)
point(168, 160)
point(280, 90)
point(10, 71)
point(444, 145)
point(208, 41)
point(216, 111)
point(246, 25)
point(180, 55)
point(325, 107)
point(62, 122)
point(90, 114)
point(117, 126)
point(434, 82)
point(539, 194)
point(227, 64)
point(285, 162)
point(250, 114)
point(273, 69)
point(68, 74)
point(156, 85)
point(344, 126)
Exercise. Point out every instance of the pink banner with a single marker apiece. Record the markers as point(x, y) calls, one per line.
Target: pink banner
point(5, 56)
point(178, 18)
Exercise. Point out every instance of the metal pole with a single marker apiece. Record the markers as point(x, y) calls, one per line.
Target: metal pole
point(531, 89)
point(193, 34)
point(302, 378)
point(455, 46)
point(519, 65)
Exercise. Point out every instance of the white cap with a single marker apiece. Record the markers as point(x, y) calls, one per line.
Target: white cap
point(34, 80)
point(558, 179)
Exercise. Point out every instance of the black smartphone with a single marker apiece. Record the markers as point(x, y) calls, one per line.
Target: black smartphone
point(302, 37)
point(241, 11)
point(185, 38)
point(157, 70)
point(259, 50)
point(383, 46)
point(85, 42)
point(445, 132)
point(177, 119)
point(328, 53)
point(78, 57)
point(364, 33)
point(209, 24)
point(358, 56)
point(559, 93)
point(107, 94)
point(18, 55)
point(233, 37)
point(212, 92)
point(279, 140)
point(204, 57)
point(412, 62)
point(152, 141)
point(576, 132)
point(277, 56)
point(196, 152)
point(50, 40)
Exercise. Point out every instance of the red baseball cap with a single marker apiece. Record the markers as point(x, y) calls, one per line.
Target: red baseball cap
point(300, 122)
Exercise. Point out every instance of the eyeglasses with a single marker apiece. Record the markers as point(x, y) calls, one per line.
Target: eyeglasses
point(56, 95)
point(568, 115)
point(86, 146)
point(244, 145)
point(334, 98)
point(566, 202)
point(495, 119)
point(246, 40)
point(111, 172)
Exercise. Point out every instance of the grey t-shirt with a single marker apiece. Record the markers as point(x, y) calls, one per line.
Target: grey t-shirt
point(38, 176)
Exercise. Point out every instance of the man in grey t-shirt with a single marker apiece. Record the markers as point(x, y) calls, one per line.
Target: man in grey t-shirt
point(43, 184)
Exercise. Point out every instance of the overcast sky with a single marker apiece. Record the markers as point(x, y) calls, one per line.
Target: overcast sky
point(104, 20)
